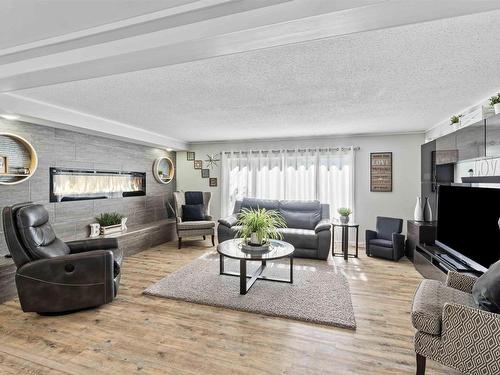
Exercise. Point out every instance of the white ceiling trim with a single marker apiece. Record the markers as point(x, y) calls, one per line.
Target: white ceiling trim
point(51, 115)
point(279, 24)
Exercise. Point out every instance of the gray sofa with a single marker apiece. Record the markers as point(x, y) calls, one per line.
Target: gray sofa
point(308, 224)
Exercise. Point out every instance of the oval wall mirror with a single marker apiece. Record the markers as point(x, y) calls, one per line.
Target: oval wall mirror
point(163, 170)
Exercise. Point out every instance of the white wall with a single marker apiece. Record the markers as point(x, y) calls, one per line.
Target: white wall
point(399, 203)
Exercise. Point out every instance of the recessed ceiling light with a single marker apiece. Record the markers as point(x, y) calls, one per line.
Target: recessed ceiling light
point(9, 116)
point(169, 149)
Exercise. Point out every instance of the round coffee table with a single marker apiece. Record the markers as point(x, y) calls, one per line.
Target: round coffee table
point(232, 249)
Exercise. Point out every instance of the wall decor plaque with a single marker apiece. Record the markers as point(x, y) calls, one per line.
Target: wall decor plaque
point(212, 182)
point(381, 171)
point(190, 155)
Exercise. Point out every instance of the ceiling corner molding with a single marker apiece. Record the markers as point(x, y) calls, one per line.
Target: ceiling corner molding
point(47, 114)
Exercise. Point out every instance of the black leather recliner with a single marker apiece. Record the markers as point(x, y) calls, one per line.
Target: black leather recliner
point(387, 241)
point(57, 277)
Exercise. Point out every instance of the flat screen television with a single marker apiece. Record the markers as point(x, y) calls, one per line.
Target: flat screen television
point(468, 224)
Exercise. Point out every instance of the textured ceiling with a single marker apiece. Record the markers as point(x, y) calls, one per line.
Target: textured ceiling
point(394, 80)
point(24, 21)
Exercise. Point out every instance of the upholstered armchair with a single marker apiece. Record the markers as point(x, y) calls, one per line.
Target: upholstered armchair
point(202, 224)
point(55, 276)
point(386, 241)
point(451, 330)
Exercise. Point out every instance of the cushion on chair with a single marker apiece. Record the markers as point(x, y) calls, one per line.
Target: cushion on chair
point(253, 204)
point(301, 214)
point(386, 226)
point(428, 304)
point(193, 197)
point(486, 289)
point(381, 242)
point(192, 212)
point(303, 238)
point(187, 225)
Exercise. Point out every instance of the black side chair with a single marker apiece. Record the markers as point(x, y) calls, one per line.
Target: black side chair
point(387, 241)
point(53, 276)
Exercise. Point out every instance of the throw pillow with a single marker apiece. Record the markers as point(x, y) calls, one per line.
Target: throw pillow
point(486, 289)
point(192, 212)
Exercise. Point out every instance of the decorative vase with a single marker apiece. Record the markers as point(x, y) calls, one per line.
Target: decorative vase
point(497, 108)
point(418, 214)
point(344, 219)
point(427, 210)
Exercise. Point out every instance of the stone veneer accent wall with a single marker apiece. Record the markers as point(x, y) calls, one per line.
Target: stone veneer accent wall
point(62, 148)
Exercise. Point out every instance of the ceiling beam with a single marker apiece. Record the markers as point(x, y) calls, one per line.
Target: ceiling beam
point(42, 113)
point(226, 28)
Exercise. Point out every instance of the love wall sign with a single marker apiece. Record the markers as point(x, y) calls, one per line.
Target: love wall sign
point(381, 171)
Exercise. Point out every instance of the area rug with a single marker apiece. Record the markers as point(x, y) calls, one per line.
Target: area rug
point(319, 293)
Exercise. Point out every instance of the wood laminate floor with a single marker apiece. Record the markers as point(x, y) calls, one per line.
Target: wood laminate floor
point(150, 335)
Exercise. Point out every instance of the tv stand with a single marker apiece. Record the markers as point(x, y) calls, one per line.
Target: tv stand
point(434, 263)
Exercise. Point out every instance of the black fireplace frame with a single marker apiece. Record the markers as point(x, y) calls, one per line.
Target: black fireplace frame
point(93, 172)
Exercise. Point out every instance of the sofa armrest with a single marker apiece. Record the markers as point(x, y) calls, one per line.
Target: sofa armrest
point(398, 244)
point(469, 330)
point(229, 221)
point(460, 281)
point(82, 246)
point(323, 224)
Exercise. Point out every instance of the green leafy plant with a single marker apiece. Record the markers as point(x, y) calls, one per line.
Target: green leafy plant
point(264, 223)
point(160, 173)
point(109, 218)
point(344, 211)
point(495, 99)
point(455, 119)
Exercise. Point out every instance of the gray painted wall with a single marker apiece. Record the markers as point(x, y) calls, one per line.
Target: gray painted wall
point(62, 148)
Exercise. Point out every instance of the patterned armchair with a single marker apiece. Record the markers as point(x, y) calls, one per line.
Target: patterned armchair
point(202, 228)
point(452, 330)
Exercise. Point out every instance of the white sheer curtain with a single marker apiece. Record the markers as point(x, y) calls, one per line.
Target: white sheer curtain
point(323, 174)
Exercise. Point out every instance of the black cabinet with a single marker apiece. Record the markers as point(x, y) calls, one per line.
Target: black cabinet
point(446, 149)
point(493, 136)
point(427, 160)
point(419, 232)
point(470, 141)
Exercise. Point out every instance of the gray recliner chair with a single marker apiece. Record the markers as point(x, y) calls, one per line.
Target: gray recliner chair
point(55, 276)
point(387, 241)
point(308, 224)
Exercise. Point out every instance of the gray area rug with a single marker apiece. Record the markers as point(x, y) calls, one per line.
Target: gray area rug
point(319, 294)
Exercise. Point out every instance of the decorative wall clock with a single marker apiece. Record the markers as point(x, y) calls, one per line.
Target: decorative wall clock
point(212, 160)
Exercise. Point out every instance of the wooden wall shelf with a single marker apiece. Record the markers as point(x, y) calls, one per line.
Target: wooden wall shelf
point(19, 151)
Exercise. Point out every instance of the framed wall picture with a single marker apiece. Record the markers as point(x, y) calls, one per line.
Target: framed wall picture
point(190, 155)
point(212, 182)
point(381, 171)
point(3, 164)
point(205, 173)
point(198, 164)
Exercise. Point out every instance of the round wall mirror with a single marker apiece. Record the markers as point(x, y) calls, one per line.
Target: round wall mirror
point(163, 170)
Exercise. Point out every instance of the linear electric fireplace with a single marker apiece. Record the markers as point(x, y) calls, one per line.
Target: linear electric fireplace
point(83, 184)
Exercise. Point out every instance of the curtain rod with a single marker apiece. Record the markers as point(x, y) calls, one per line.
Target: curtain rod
point(294, 150)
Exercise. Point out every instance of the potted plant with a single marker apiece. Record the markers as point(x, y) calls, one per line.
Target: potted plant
point(455, 120)
point(495, 102)
point(260, 225)
point(344, 213)
point(111, 222)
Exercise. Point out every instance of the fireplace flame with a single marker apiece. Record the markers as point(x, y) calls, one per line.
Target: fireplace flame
point(71, 185)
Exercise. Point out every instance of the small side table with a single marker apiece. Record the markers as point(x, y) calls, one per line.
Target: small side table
point(345, 239)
